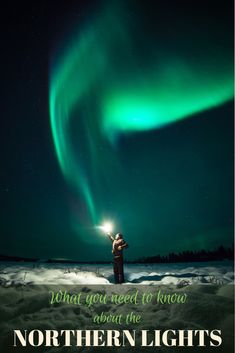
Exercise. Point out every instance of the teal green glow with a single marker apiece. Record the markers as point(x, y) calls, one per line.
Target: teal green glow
point(138, 109)
point(99, 81)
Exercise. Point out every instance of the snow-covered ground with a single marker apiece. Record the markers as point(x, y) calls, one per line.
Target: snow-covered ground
point(180, 274)
point(27, 307)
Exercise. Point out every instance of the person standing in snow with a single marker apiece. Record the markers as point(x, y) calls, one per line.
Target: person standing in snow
point(118, 244)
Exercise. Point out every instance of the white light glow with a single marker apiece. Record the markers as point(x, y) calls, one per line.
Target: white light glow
point(107, 227)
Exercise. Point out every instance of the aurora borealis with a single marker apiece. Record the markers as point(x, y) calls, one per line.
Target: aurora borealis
point(104, 84)
point(122, 112)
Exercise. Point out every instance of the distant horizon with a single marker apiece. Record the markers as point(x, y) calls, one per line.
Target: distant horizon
point(145, 259)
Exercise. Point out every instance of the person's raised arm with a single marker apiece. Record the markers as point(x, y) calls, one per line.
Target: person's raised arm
point(110, 237)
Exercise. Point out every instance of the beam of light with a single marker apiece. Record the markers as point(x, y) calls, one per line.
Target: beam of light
point(109, 86)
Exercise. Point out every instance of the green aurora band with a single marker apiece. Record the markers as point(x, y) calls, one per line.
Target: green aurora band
point(106, 83)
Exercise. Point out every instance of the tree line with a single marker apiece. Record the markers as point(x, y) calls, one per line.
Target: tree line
point(221, 253)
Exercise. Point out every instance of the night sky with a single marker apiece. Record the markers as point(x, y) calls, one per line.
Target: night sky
point(117, 111)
